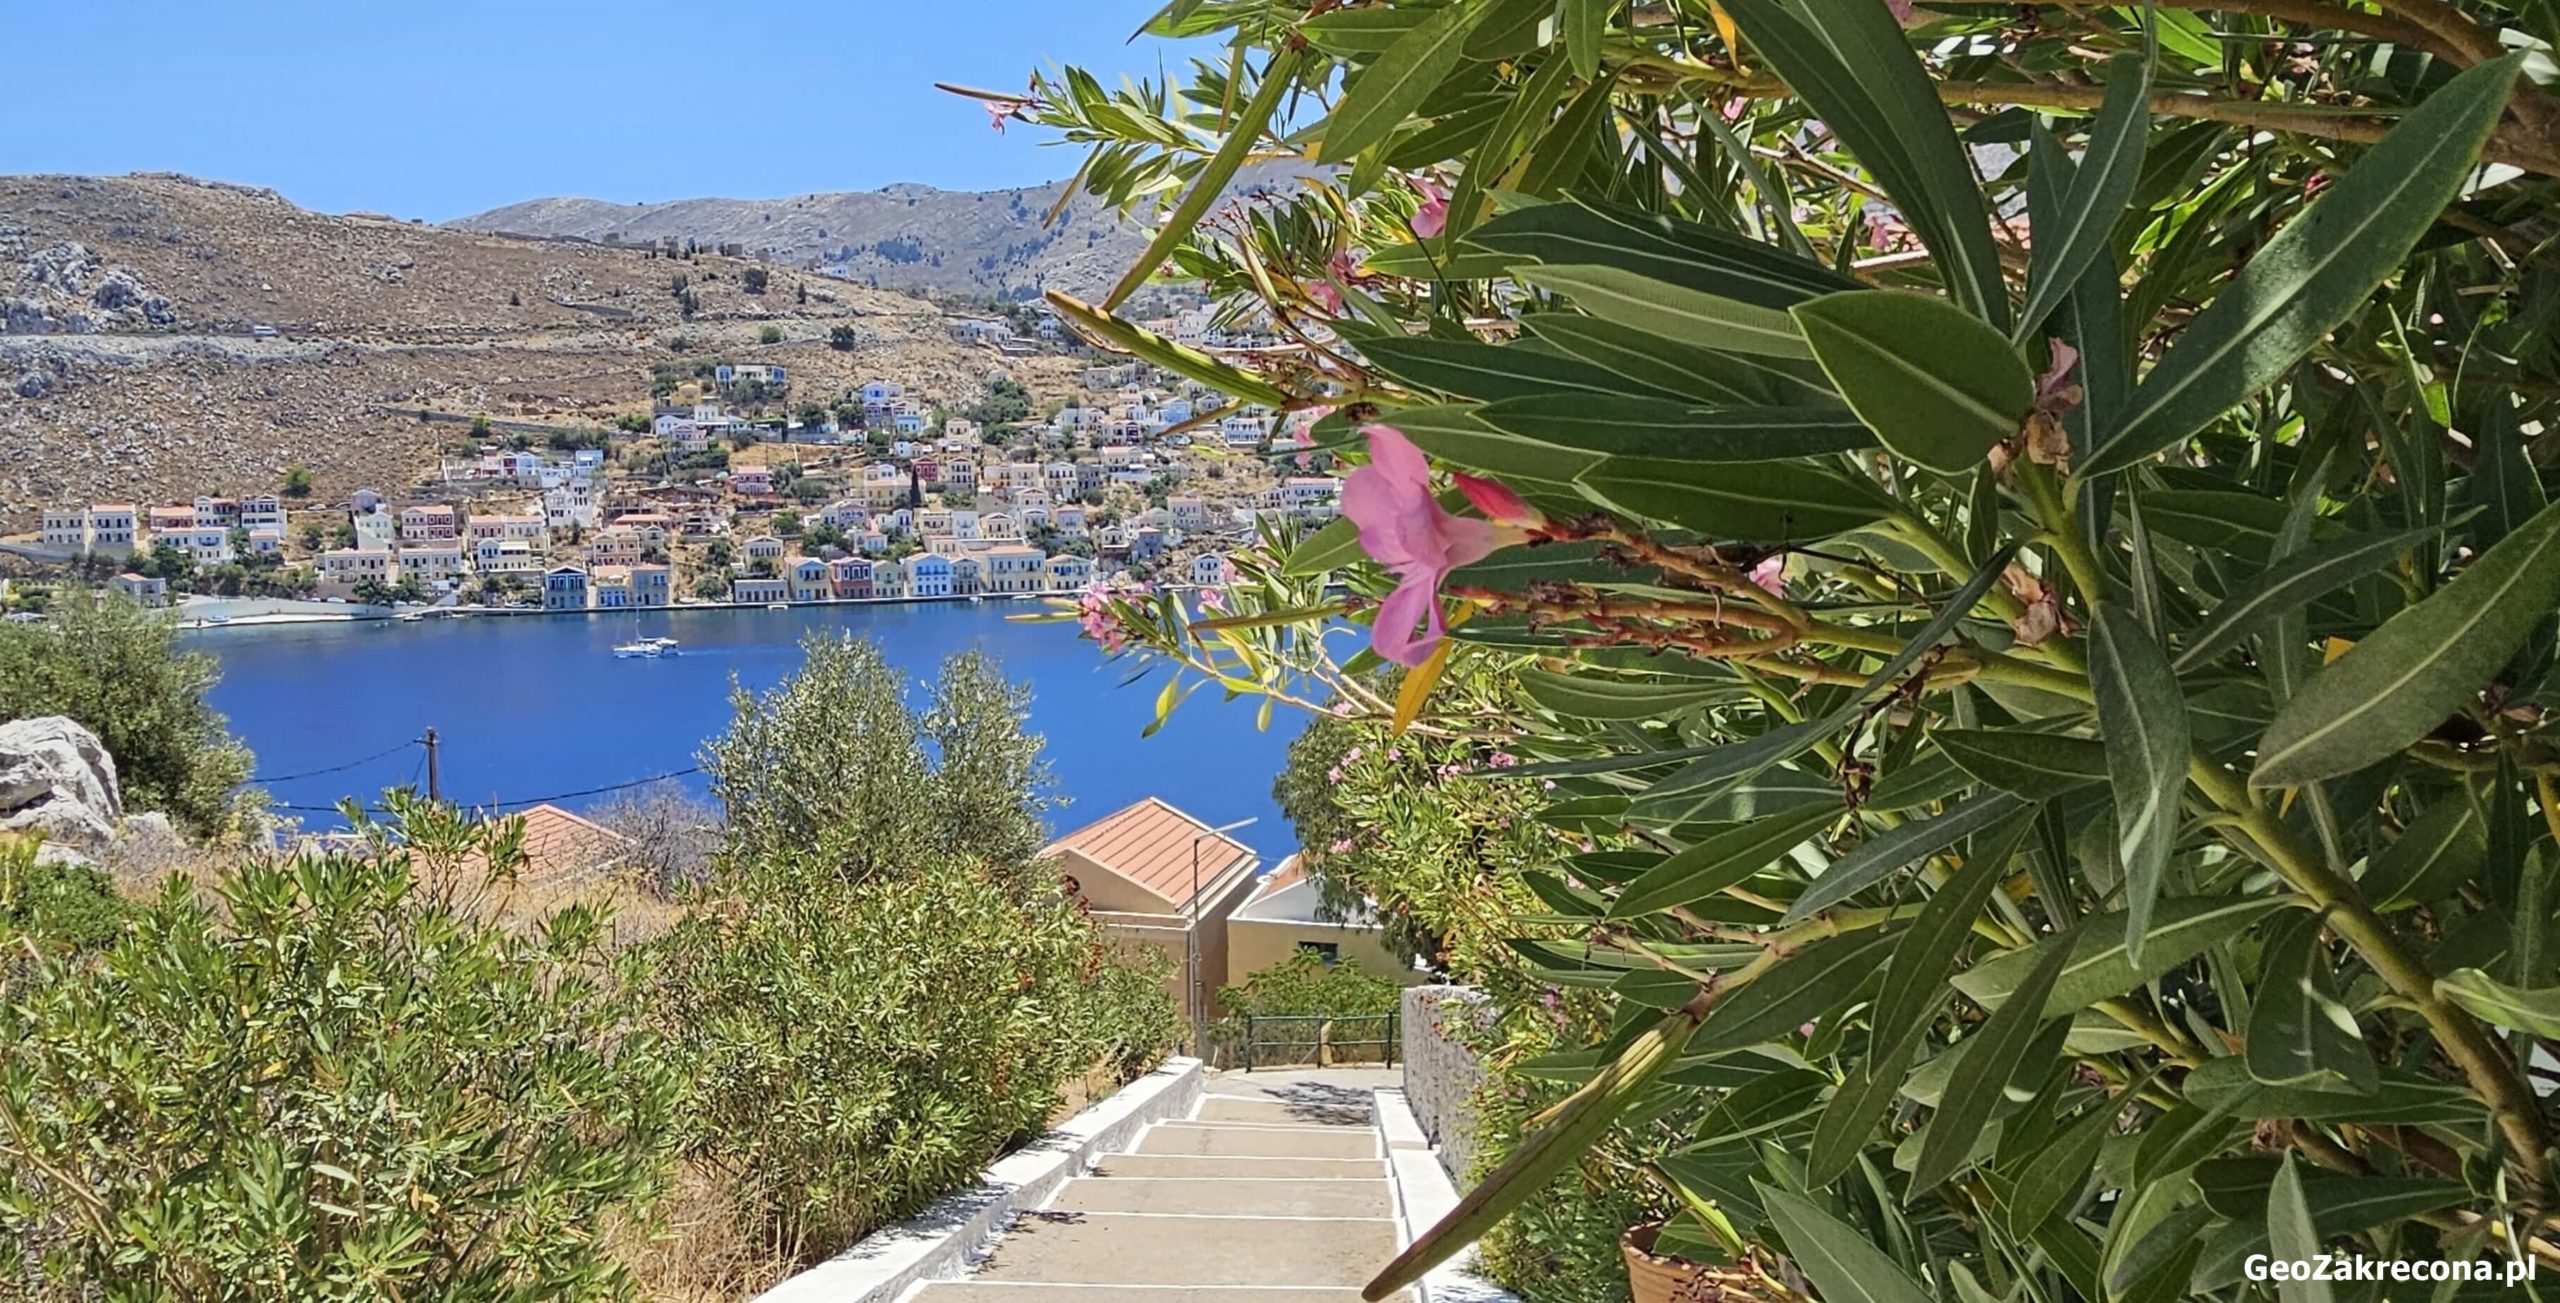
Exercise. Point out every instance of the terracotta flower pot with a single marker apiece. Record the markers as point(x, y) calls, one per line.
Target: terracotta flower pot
point(1657, 1279)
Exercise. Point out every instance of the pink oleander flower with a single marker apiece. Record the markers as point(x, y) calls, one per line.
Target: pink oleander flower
point(1214, 600)
point(1404, 528)
point(1095, 617)
point(996, 114)
point(2055, 394)
point(1901, 10)
point(1324, 295)
point(1771, 574)
point(1341, 846)
point(1502, 760)
point(1498, 503)
point(1433, 217)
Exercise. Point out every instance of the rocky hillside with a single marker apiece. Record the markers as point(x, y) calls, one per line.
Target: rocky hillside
point(132, 363)
point(981, 244)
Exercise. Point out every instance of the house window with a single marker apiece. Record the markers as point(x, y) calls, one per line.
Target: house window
point(1327, 951)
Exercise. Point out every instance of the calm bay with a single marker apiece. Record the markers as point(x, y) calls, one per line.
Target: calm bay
point(532, 708)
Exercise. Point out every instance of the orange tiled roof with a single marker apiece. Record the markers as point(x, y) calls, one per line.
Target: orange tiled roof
point(556, 841)
point(1149, 843)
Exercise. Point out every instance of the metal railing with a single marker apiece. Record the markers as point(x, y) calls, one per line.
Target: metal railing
point(1249, 1041)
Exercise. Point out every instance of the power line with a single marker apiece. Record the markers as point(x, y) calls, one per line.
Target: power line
point(528, 800)
point(394, 749)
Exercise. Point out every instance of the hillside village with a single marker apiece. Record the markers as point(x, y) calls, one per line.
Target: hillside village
point(870, 495)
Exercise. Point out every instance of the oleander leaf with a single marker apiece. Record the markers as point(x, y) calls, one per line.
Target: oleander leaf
point(2101, 188)
point(1722, 860)
point(1661, 247)
point(1652, 427)
point(2314, 273)
point(2101, 968)
point(2535, 1010)
point(1840, 1261)
point(1992, 1056)
point(1396, 83)
point(1768, 501)
point(2422, 665)
point(2289, 584)
point(1936, 385)
point(1853, 64)
point(2144, 717)
point(1671, 311)
point(2300, 1033)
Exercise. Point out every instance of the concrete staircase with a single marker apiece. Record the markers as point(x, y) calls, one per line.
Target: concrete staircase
point(1274, 1190)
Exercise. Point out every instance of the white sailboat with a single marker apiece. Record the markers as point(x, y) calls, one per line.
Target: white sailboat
point(639, 647)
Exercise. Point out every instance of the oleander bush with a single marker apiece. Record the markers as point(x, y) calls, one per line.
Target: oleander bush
point(330, 1080)
point(2019, 537)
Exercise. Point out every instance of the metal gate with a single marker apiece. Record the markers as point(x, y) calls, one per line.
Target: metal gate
point(1325, 1040)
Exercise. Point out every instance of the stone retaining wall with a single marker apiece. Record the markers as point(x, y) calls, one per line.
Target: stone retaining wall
point(1440, 1071)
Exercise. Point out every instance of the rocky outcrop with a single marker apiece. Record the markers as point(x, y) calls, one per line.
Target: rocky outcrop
point(66, 288)
point(57, 780)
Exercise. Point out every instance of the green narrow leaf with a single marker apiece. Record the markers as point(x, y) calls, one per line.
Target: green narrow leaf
point(1454, 435)
point(1915, 979)
point(2536, 1010)
point(1992, 1057)
point(2291, 1235)
point(1768, 501)
point(2101, 968)
point(1674, 312)
point(1120, 336)
point(2144, 718)
point(2287, 585)
point(1850, 1116)
point(2319, 269)
point(1578, 1123)
point(1801, 988)
point(2299, 1032)
point(1880, 856)
point(1700, 376)
point(2038, 766)
point(1488, 371)
point(1278, 80)
point(1591, 696)
point(1855, 66)
point(1653, 427)
point(1935, 384)
point(1381, 98)
point(2422, 665)
point(1663, 248)
point(2054, 1173)
point(1333, 545)
point(2076, 236)
point(1722, 860)
point(1584, 23)
point(1840, 1261)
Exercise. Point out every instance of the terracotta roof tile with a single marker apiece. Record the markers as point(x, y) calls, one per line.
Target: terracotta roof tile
point(1149, 843)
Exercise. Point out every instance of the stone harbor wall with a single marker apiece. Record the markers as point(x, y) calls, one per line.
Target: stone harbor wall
point(1440, 1071)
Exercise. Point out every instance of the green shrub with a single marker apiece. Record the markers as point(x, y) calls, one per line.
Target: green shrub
point(71, 906)
point(860, 1043)
point(884, 987)
point(336, 1081)
point(117, 670)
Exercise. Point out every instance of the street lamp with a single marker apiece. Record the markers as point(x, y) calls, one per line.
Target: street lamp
point(1191, 964)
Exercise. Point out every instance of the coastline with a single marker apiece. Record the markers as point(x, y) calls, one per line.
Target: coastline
point(332, 614)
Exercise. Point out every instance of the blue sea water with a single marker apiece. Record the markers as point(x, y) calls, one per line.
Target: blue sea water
point(529, 708)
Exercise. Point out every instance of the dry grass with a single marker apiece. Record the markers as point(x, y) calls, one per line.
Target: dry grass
point(695, 1248)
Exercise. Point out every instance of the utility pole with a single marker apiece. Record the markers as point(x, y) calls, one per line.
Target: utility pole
point(435, 782)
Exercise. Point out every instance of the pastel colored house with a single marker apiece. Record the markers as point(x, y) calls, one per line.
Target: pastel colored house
point(1153, 875)
point(564, 588)
point(1286, 915)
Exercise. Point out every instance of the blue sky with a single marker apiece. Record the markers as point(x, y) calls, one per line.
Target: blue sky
point(441, 108)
